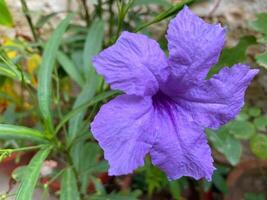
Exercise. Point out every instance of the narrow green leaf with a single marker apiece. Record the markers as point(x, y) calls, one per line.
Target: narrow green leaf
point(169, 12)
point(5, 16)
point(86, 161)
point(69, 189)
point(151, 2)
point(31, 175)
point(20, 132)
point(70, 68)
point(85, 105)
point(93, 44)
point(43, 19)
point(175, 189)
point(8, 68)
point(45, 72)
point(220, 182)
point(7, 72)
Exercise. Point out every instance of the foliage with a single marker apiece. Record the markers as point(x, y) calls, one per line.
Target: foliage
point(49, 94)
point(260, 25)
point(46, 111)
point(250, 125)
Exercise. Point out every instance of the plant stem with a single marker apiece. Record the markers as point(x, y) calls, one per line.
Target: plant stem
point(123, 9)
point(99, 9)
point(22, 149)
point(86, 12)
point(26, 13)
point(111, 18)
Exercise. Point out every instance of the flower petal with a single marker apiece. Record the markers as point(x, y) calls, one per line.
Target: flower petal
point(194, 45)
point(123, 130)
point(219, 99)
point(134, 64)
point(181, 147)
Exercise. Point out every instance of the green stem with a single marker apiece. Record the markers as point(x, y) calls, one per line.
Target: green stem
point(22, 149)
point(26, 13)
point(86, 12)
point(168, 13)
point(54, 178)
point(111, 18)
point(123, 9)
point(99, 9)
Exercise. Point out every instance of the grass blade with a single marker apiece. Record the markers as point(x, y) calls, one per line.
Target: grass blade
point(70, 68)
point(5, 16)
point(31, 175)
point(45, 72)
point(169, 12)
point(69, 189)
point(93, 44)
point(20, 132)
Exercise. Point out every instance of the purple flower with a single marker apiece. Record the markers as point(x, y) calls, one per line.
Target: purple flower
point(167, 102)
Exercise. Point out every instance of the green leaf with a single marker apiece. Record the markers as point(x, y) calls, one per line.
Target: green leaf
point(69, 189)
point(45, 72)
point(100, 189)
point(206, 185)
point(70, 68)
point(226, 144)
point(261, 123)
point(263, 39)
point(242, 129)
point(233, 55)
point(175, 189)
point(168, 13)
point(5, 16)
point(18, 173)
point(84, 106)
point(20, 132)
point(87, 94)
point(262, 59)
point(260, 24)
point(258, 145)
point(86, 156)
point(252, 196)
point(31, 175)
point(92, 46)
point(243, 116)
point(9, 69)
point(220, 182)
point(151, 2)
point(254, 111)
point(43, 19)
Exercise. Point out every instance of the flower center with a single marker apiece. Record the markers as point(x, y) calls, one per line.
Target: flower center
point(162, 102)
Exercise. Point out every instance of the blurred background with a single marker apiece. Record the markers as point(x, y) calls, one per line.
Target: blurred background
point(239, 147)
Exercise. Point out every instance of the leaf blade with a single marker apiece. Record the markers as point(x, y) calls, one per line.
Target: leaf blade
point(20, 132)
point(5, 16)
point(31, 175)
point(45, 72)
point(70, 68)
point(69, 189)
